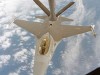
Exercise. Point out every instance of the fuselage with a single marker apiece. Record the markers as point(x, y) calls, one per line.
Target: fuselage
point(44, 51)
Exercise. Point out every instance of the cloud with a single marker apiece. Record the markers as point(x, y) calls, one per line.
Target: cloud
point(71, 55)
point(4, 60)
point(97, 42)
point(57, 72)
point(21, 68)
point(81, 56)
point(26, 9)
point(17, 72)
point(21, 56)
point(79, 12)
point(13, 73)
point(4, 42)
point(73, 50)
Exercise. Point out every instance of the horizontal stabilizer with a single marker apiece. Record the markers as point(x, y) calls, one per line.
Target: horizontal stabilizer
point(62, 19)
point(41, 17)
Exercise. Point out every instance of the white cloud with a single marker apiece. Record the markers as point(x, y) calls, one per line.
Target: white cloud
point(9, 9)
point(73, 48)
point(5, 41)
point(57, 72)
point(25, 38)
point(71, 54)
point(21, 56)
point(13, 73)
point(4, 60)
point(97, 42)
point(21, 68)
point(79, 13)
point(22, 8)
point(5, 44)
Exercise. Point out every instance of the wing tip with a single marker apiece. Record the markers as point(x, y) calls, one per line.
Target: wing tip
point(93, 30)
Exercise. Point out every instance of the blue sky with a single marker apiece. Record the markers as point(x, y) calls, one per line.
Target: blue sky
point(76, 55)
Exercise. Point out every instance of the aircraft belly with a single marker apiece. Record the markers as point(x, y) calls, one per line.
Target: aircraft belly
point(40, 68)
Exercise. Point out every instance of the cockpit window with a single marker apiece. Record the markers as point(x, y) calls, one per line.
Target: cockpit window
point(44, 46)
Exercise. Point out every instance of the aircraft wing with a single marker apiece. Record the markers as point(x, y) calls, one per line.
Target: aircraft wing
point(63, 31)
point(34, 27)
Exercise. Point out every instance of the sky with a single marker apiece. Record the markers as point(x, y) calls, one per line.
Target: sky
point(76, 55)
